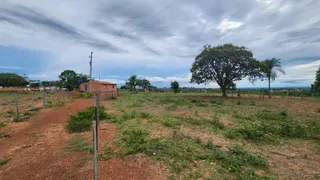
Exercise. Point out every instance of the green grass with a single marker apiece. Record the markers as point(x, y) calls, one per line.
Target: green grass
point(140, 131)
point(4, 162)
point(83, 120)
point(78, 144)
point(4, 135)
point(2, 124)
point(83, 162)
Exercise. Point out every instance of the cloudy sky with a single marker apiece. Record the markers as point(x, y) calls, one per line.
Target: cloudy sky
point(41, 38)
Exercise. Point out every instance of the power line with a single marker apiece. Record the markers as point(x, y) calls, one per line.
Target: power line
point(154, 15)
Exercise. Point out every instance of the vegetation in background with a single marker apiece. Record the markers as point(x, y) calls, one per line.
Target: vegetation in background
point(315, 87)
point(269, 68)
point(224, 65)
point(12, 80)
point(175, 86)
point(84, 95)
point(70, 79)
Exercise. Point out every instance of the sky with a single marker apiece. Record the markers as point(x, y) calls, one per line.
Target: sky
point(156, 40)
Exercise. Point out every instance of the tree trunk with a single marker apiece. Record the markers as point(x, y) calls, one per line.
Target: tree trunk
point(224, 92)
point(269, 89)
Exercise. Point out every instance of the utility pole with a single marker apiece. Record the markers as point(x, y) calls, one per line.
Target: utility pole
point(90, 70)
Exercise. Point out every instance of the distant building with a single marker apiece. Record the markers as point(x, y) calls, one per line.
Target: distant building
point(103, 87)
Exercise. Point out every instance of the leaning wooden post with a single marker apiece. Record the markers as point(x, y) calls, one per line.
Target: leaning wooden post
point(262, 94)
point(17, 106)
point(95, 163)
point(43, 99)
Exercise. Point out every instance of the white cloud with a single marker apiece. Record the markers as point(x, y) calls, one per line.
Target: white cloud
point(228, 24)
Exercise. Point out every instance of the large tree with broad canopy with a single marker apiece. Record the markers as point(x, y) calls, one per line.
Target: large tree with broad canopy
point(224, 65)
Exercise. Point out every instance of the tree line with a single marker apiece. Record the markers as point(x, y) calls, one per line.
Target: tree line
point(67, 79)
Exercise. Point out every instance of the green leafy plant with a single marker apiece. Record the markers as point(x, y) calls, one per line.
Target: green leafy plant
point(83, 120)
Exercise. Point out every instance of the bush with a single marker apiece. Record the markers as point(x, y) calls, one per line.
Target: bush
point(83, 120)
point(292, 130)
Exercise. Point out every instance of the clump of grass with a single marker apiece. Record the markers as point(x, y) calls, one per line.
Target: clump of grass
point(35, 109)
point(27, 113)
point(144, 115)
point(272, 115)
point(4, 162)
point(171, 122)
point(4, 135)
point(10, 113)
point(2, 124)
point(238, 103)
point(252, 103)
point(107, 154)
point(83, 120)
point(201, 104)
point(78, 144)
point(165, 100)
point(171, 107)
point(110, 98)
point(4, 104)
point(209, 144)
point(83, 162)
point(60, 103)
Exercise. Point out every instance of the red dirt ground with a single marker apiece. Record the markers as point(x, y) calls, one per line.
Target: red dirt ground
point(35, 150)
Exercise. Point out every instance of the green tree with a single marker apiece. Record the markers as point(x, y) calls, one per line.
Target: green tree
point(175, 86)
point(315, 87)
point(269, 68)
point(224, 65)
point(144, 83)
point(132, 82)
point(81, 78)
point(12, 80)
point(35, 85)
point(69, 79)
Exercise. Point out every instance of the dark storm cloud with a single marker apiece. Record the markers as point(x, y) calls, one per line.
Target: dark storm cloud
point(19, 15)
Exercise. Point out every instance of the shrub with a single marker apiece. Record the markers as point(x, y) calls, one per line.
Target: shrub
point(10, 113)
point(135, 140)
point(209, 144)
point(194, 100)
point(83, 120)
point(216, 123)
point(292, 130)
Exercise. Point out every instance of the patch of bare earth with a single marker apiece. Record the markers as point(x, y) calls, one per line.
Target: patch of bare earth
point(217, 140)
point(227, 121)
point(295, 160)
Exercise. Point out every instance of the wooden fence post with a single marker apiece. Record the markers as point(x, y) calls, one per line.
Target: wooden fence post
point(262, 94)
point(17, 106)
point(43, 99)
point(95, 165)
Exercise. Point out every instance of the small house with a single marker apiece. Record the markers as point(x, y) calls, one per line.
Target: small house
point(96, 86)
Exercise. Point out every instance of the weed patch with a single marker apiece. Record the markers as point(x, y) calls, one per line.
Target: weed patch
point(83, 120)
point(171, 107)
point(2, 124)
point(4, 135)
point(4, 162)
point(78, 144)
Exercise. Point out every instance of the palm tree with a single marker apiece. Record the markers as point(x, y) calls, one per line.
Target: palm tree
point(270, 68)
